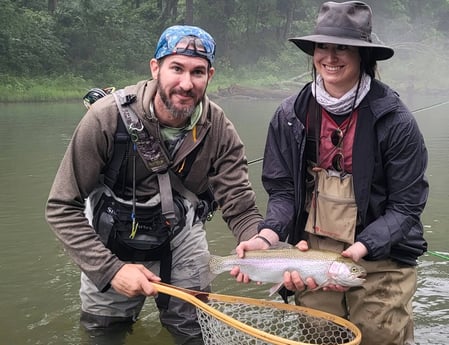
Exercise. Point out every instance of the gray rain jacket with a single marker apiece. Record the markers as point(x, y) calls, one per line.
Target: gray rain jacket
point(389, 162)
point(220, 162)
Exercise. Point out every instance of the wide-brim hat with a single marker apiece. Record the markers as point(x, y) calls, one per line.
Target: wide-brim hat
point(348, 23)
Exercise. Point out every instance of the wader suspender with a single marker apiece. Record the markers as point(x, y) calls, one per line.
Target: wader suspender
point(314, 129)
point(155, 160)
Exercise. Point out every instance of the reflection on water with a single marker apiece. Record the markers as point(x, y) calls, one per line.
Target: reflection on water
point(39, 290)
point(431, 304)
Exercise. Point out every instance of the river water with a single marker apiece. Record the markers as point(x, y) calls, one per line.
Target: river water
point(39, 284)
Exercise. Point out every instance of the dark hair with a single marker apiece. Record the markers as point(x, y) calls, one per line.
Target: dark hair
point(368, 63)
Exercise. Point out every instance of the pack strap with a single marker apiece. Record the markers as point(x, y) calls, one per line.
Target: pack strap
point(168, 209)
point(166, 181)
point(121, 147)
point(183, 190)
point(148, 146)
point(153, 156)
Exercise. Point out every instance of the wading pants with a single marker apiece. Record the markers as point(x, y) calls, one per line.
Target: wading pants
point(101, 312)
point(381, 307)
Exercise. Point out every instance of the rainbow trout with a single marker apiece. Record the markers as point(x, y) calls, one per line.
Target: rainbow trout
point(265, 266)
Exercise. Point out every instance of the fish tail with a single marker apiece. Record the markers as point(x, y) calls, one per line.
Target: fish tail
point(207, 276)
point(216, 264)
point(206, 279)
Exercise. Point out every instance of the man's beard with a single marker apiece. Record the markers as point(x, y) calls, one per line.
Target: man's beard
point(178, 113)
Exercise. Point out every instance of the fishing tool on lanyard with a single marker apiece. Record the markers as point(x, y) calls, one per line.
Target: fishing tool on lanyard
point(133, 131)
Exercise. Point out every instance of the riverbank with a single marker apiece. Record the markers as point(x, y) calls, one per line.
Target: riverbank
point(73, 88)
point(70, 87)
point(231, 91)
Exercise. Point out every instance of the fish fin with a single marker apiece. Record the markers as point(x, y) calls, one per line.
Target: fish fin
point(275, 288)
point(282, 245)
point(279, 245)
point(323, 284)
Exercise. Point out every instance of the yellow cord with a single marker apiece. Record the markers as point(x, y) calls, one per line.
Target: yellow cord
point(194, 134)
point(134, 229)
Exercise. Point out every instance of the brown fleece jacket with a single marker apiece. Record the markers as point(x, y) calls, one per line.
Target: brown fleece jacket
point(220, 162)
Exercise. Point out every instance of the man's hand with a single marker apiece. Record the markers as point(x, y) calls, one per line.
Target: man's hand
point(251, 244)
point(134, 280)
point(254, 243)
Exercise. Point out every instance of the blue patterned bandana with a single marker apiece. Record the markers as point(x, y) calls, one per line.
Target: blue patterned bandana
point(186, 40)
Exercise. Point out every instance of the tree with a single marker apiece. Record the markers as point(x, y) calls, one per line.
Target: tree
point(169, 10)
point(189, 12)
point(52, 4)
point(27, 42)
point(105, 38)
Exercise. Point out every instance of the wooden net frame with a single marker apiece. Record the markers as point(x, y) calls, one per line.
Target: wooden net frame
point(238, 320)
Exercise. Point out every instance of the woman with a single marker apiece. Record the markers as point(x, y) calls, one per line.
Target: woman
point(344, 169)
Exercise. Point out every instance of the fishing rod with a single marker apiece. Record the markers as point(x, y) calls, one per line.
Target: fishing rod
point(260, 159)
point(255, 160)
point(430, 107)
point(442, 256)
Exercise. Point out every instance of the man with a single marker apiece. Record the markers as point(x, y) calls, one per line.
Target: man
point(195, 146)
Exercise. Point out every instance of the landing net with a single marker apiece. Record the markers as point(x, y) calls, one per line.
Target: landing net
point(289, 324)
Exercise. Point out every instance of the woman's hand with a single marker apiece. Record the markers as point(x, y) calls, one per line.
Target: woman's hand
point(294, 282)
point(355, 252)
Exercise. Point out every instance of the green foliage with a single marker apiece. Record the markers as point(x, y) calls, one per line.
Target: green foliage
point(104, 37)
point(109, 42)
point(27, 42)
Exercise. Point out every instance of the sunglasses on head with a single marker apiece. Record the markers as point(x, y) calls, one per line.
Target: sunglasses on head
point(194, 46)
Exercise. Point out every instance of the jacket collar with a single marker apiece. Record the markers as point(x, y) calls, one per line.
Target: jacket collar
point(381, 100)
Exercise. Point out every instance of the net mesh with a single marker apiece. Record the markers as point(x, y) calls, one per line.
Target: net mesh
point(296, 325)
